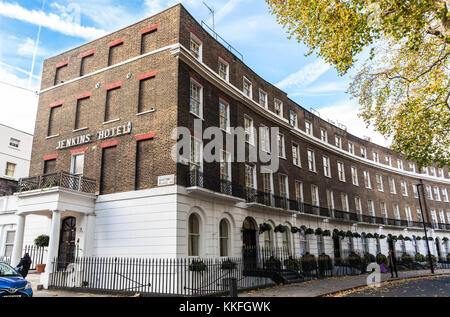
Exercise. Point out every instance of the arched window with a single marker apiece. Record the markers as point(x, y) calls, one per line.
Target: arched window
point(303, 243)
point(320, 245)
point(268, 238)
point(378, 246)
point(193, 235)
point(364, 244)
point(285, 240)
point(224, 237)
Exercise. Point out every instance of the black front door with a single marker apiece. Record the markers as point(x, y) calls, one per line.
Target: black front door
point(249, 250)
point(336, 248)
point(438, 248)
point(67, 243)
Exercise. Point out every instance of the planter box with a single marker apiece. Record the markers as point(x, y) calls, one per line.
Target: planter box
point(40, 268)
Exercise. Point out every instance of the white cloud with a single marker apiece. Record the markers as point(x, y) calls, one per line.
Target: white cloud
point(305, 76)
point(226, 9)
point(19, 106)
point(346, 112)
point(27, 49)
point(50, 21)
point(156, 6)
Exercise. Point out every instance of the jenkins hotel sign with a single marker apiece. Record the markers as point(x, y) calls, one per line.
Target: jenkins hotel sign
point(99, 135)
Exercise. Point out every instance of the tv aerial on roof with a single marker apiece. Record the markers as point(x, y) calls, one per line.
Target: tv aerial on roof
point(213, 12)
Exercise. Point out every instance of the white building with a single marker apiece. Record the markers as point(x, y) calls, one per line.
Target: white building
point(15, 152)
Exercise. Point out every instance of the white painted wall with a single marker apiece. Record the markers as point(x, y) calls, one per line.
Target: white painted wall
point(20, 157)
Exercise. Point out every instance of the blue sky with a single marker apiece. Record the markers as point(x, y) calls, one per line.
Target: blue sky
point(245, 24)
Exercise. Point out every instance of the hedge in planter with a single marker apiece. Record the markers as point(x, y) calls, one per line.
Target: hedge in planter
point(308, 262)
point(280, 228)
point(228, 265)
point(369, 258)
point(197, 266)
point(292, 264)
point(325, 263)
point(309, 231)
point(354, 260)
point(406, 259)
point(272, 263)
point(381, 259)
point(326, 233)
point(318, 232)
point(264, 227)
point(419, 257)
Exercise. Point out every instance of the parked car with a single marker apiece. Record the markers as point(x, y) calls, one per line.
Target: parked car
point(12, 284)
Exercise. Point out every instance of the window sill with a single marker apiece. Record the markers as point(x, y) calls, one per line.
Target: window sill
point(197, 116)
point(111, 121)
point(80, 129)
point(52, 136)
point(145, 112)
point(297, 165)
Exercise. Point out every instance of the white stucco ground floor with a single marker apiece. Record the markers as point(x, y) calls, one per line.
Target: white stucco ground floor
point(175, 222)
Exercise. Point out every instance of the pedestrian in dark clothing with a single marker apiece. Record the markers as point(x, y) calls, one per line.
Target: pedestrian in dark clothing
point(392, 264)
point(24, 265)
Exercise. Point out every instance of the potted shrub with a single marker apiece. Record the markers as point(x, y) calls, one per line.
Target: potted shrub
point(381, 259)
point(382, 236)
point(354, 260)
point(325, 264)
point(349, 234)
point(228, 265)
point(41, 241)
point(264, 227)
point(369, 258)
point(273, 263)
point(419, 258)
point(326, 233)
point(280, 228)
point(292, 264)
point(318, 232)
point(309, 231)
point(295, 229)
point(308, 262)
point(356, 235)
point(197, 266)
point(369, 236)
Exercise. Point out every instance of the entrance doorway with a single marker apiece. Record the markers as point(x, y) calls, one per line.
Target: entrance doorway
point(67, 244)
point(249, 247)
point(438, 248)
point(337, 248)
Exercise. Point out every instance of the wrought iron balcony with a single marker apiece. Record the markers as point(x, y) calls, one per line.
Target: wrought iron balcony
point(59, 179)
point(254, 196)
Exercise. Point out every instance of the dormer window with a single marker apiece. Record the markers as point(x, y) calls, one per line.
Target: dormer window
point(263, 98)
point(247, 88)
point(293, 118)
point(278, 107)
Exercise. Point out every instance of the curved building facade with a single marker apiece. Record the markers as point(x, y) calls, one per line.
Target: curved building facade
point(102, 157)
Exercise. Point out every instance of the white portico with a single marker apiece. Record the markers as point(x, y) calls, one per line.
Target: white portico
point(69, 202)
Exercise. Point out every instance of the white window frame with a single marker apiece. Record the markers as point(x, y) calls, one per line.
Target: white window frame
point(265, 100)
point(324, 135)
point(376, 158)
point(9, 244)
point(194, 82)
point(326, 166)
point(367, 182)
point(14, 143)
point(286, 184)
point(299, 186)
point(282, 153)
point(254, 180)
point(264, 138)
point(399, 164)
point(227, 115)
point(341, 171)
point(371, 207)
point(392, 188)
point(358, 205)
point(311, 160)
point(379, 180)
point(293, 118)
point(444, 195)
point(355, 180)
point(308, 127)
point(250, 132)
point(437, 195)
point(250, 85)
point(228, 164)
point(315, 193)
point(227, 69)
point(73, 160)
point(344, 202)
point(363, 152)
point(338, 141)
point(404, 188)
point(296, 150)
point(280, 103)
point(199, 42)
point(351, 148)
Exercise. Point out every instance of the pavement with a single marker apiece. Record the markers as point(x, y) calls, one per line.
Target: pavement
point(333, 286)
point(430, 286)
point(325, 287)
point(35, 280)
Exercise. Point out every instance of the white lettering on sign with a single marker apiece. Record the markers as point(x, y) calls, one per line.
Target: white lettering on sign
point(166, 180)
point(100, 135)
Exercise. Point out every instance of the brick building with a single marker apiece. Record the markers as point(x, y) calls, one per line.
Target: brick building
point(104, 177)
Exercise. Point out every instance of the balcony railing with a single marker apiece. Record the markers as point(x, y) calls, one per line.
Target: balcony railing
point(251, 195)
point(59, 179)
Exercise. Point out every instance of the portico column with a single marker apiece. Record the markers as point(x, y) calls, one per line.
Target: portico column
point(53, 246)
point(18, 240)
point(88, 237)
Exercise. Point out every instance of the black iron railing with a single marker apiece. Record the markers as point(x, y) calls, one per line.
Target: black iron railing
point(169, 277)
point(37, 254)
point(59, 179)
point(251, 195)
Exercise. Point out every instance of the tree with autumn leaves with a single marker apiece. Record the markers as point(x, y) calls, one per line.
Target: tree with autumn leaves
point(403, 82)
